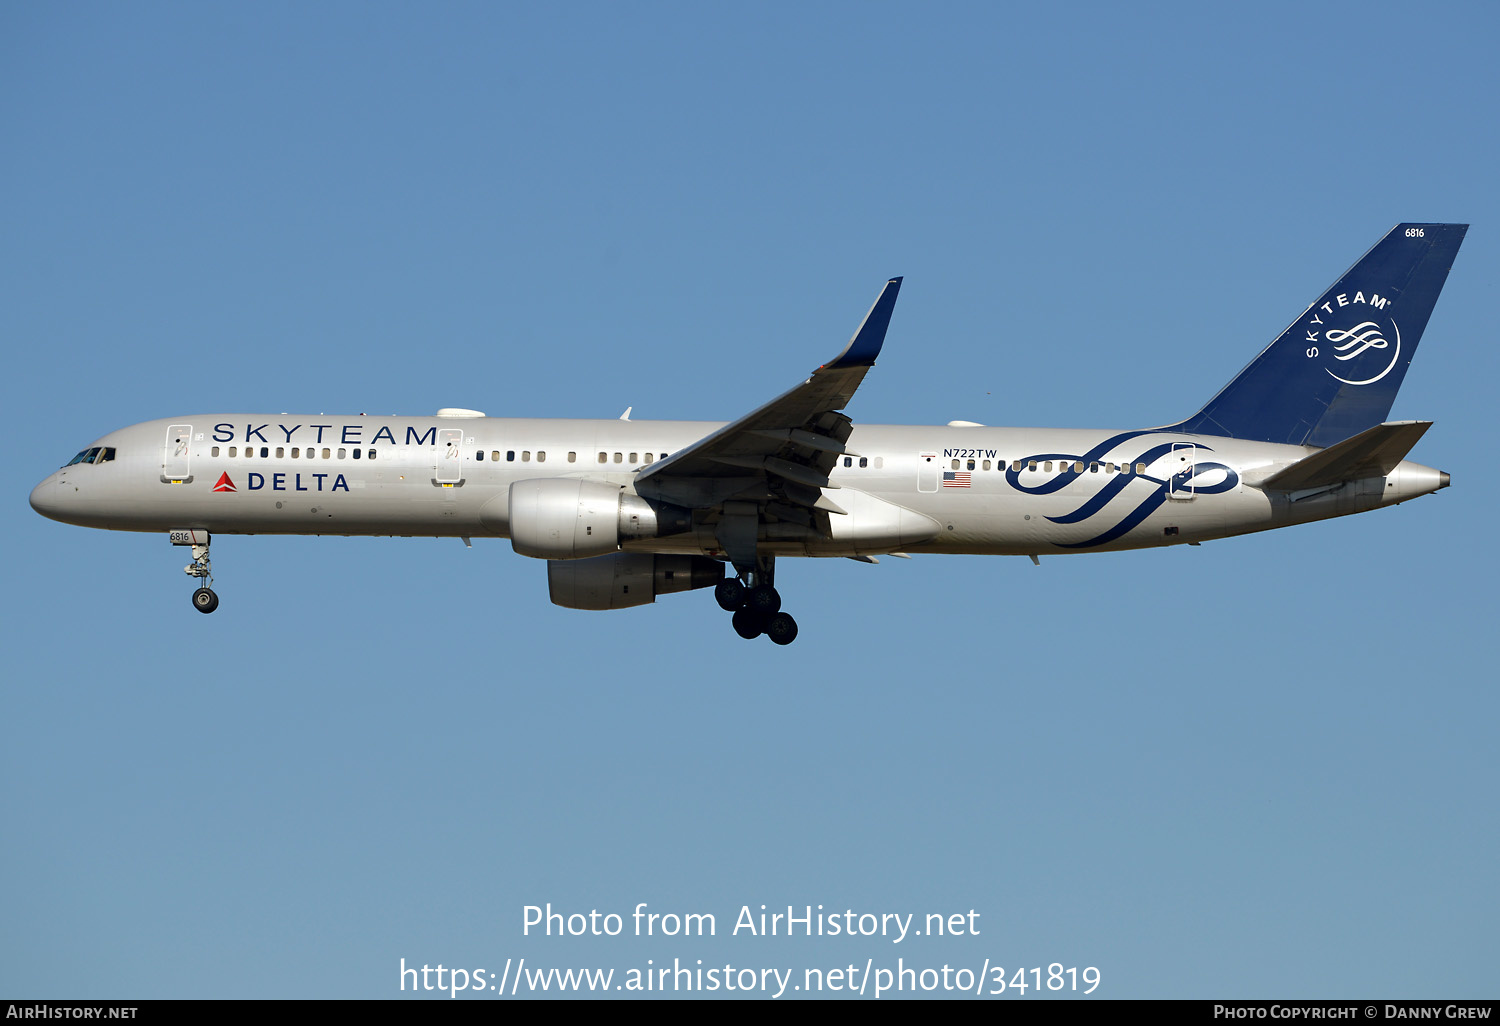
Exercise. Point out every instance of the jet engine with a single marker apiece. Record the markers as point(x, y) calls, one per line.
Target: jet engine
point(624, 579)
point(567, 518)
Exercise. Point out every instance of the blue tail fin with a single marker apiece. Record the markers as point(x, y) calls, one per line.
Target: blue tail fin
point(1335, 371)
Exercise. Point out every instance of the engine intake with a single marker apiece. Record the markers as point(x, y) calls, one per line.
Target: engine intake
point(624, 579)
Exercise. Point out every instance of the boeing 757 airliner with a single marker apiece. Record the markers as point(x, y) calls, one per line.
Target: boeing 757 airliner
point(625, 510)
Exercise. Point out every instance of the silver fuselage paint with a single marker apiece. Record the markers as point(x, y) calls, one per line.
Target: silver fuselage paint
point(1179, 488)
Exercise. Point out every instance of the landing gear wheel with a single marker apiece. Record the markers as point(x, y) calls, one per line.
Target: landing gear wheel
point(782, 629)
point(748, 624)
point(730, 594)
point(205, 601)
point(763, 599)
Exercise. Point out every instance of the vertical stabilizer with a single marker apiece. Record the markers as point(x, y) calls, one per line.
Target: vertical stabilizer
point(1336, 370)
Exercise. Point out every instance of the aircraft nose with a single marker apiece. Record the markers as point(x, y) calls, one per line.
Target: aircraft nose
point(44, 498)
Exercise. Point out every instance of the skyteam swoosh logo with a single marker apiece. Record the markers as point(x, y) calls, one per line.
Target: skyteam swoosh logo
point(1354, 343)
point(1145, 490)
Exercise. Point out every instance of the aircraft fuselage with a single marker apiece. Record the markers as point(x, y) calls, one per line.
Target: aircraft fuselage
point(978, 490)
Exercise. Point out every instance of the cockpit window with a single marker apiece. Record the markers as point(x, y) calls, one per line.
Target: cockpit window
point(98, 454)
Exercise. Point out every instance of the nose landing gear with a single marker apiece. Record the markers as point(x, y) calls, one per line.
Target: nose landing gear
point(204, 599)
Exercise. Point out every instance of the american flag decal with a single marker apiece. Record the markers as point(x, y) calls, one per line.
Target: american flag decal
point(956, 478)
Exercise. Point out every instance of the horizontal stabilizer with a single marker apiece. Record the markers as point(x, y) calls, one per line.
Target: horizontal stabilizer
point(1371, 453)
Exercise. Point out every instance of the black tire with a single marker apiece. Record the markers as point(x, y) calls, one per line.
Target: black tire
point(782, 629)
point(730, 594)
point(763, 599)
point(205, 601)
point(748, 625)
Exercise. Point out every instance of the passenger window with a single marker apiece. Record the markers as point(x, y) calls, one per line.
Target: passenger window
point(296, 451)
point(328, 454)
point(341, 453)
point(265, 452)
point(372, 454)
point(1140, 468)
point(971, 465)
point(1078, 466)
point(848, 461)
point(603, 457)
point(495, 455)
point(234, 451)
point(955, 464)
point(572, 457)
point(665, 455)
point(864, 461)
point(1031, 465)
point(479, 455)
point(1094, 468)
point(215, 451)
point(635, 458)
point(359, 452)
point(648, 460)
point(280, 452)
point(619, 457)
point(510, 455)
point(1047, 466)
point(525, 455)
point(541, 457)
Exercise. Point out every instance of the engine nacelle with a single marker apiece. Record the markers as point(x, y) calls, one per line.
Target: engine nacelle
point(624, 579)
point(568, 518)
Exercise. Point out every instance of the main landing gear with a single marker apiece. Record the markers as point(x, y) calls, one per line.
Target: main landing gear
point(757, 605)
point(204, 599)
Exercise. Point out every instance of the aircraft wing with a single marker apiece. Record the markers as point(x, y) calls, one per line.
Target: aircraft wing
point(780, 455)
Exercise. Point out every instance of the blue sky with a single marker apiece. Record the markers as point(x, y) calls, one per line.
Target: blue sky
point(1259, 768)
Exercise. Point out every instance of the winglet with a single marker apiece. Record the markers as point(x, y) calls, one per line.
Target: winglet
point(865, 345)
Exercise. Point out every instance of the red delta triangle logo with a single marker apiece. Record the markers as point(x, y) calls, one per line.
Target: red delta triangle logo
point(225, 485)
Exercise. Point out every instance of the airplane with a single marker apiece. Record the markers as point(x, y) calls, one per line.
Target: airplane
point(624, 511)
